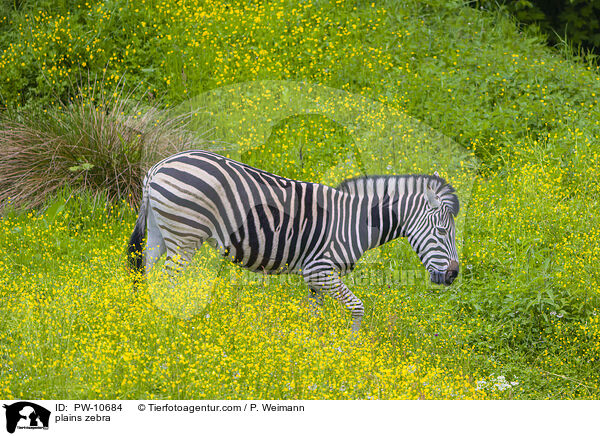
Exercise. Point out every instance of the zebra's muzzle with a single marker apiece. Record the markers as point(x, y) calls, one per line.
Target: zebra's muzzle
point(451, 272)
point(438, 277)
point(450, 276)
point(445, 277)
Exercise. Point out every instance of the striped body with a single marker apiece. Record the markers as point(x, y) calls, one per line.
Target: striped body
point(272, 224)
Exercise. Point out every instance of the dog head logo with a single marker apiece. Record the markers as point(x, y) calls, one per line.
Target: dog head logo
point(24, 414)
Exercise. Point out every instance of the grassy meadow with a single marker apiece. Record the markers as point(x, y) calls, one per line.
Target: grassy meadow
point(93, 93)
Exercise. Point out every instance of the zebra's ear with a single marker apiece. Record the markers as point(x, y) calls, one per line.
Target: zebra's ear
point(432, 198)
point(435, 174)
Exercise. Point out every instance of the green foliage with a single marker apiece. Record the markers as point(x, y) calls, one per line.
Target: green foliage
point(573, 21)
point(304, 148)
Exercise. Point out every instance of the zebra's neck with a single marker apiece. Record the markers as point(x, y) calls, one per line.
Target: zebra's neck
point(388, 200)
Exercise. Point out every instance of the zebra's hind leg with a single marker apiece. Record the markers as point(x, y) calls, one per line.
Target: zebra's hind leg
point(155, 244)
point(180, 253)
point(178, 259)
point(328, 280)
point(176, 292)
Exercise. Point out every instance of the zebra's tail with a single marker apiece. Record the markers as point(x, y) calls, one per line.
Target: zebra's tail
point(135, 250)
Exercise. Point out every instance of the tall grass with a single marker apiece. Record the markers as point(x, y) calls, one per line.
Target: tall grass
point(98, 142)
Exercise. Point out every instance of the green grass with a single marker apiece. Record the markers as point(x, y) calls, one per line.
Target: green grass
point(525, 307)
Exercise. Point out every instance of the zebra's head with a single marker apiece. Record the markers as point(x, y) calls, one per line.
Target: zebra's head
point(432, 232)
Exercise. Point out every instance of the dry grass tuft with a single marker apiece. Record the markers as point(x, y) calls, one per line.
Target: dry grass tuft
point(99, 142)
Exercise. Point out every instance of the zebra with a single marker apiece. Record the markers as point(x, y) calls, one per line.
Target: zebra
point(275, 225)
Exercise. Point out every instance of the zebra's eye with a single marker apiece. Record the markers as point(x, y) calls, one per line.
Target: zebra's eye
point(442, 231)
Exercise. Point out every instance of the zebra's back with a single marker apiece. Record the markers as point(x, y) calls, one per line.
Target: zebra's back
point(260, 220)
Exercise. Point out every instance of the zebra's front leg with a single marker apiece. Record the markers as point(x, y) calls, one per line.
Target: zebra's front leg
point(352, 302)
point(329, 281)
point(315, 299)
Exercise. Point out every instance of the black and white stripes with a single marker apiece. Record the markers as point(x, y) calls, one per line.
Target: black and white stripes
point(276, 225)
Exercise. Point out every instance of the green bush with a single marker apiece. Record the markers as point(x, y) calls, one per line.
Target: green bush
point(576, 22)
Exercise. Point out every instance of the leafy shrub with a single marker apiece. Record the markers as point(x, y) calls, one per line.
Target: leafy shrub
point(575, 20)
